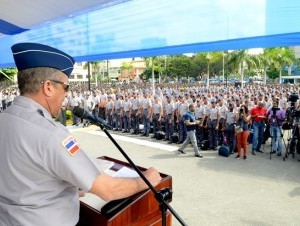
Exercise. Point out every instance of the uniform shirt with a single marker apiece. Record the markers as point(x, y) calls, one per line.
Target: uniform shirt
point(169, 108)
point(183, 109)
point(213, 113)
point(38, 175)
point(96, 101)
point(199, 112)
point(110, 105)
point(64, 103)
point(146, 103)
point(223, 109)
point(156, 107)
point(118, 104)
point(126, 105)
point(75, 101)
point(135, 104)
point(230, 117)
point(206, 108)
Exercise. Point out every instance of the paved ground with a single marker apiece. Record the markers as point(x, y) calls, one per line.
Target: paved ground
point(214, 190)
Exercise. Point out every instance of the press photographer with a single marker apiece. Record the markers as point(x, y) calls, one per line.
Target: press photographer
point(293, 123)
point(242, 131)
point(276, 116)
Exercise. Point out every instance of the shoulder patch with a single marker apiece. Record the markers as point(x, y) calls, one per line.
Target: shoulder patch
point(71, 145)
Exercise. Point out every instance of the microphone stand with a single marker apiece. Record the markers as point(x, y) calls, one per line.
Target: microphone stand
point(161, 196)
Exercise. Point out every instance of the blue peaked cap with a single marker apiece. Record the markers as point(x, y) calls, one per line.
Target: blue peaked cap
point(32, 55)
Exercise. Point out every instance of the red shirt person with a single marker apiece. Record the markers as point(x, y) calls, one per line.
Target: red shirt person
point(258, 115)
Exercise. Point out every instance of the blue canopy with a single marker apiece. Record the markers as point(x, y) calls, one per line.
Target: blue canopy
point(121, 29)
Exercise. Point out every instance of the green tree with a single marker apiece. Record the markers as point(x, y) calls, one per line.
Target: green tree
point(96, 69)
point(280, 57)
point(154, 66)
point(8, 74)
point(241, 60)
point(179, 66)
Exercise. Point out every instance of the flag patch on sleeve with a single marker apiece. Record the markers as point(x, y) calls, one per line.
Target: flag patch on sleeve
point(71, 145)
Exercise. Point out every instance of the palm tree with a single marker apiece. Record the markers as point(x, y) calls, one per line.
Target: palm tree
point(280, 57)
point(240, 59)
point(265, 63)
point(211, 57)
point(126, 68)
point(96, 66)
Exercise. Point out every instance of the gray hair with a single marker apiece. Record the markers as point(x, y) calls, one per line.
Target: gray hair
point(29, 80)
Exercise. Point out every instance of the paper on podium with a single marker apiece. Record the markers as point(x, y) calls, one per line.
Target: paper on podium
point(126, 173)
point(93, 200)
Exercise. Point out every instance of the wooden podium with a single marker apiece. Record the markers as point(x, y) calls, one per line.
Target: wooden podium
point(142, 209)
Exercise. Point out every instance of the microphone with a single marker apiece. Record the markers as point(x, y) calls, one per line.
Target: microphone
point(81, 113)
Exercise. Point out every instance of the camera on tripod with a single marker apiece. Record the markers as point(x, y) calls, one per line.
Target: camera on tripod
point(292, 123)
point(293, 115)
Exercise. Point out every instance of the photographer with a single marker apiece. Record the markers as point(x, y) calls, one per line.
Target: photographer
point(276, 117)
point(242, 130)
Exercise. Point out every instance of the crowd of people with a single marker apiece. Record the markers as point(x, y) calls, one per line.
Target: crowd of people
point(224, 114)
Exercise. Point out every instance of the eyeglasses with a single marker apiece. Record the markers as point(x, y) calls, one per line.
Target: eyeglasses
point(65, 85)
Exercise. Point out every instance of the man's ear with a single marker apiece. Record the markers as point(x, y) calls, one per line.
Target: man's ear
point(48, 88)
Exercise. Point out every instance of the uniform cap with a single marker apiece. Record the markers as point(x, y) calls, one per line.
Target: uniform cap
point(33, 55)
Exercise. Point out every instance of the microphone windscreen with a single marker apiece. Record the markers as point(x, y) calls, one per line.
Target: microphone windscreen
point(78, 112)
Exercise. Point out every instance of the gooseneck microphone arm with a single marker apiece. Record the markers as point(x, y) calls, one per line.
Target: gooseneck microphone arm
point(160, 196)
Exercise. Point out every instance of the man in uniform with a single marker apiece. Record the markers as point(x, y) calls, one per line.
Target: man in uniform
point(126, 106)
point(109, 110)
point(169, 118)
point(156, 114)
point(223, 109)
point(182, 110)
point(135, 112)
point(117, 112)
point(200, 116)
point(229, 127)
point(146, 113)
point(213, 119)
point(40, 174)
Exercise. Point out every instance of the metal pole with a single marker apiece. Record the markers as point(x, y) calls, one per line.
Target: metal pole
point(153, 85)
point(223, 66)
point(107, 68)
point(89, 76)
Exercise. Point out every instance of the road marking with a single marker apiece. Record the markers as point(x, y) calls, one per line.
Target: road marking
point(151, 144)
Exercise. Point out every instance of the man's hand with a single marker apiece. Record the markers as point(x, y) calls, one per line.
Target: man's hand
point(153, 176)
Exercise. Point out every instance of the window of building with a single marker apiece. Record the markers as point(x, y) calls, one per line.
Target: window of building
point(79, 76)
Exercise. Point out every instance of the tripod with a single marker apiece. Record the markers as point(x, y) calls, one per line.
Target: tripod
point(290, 148)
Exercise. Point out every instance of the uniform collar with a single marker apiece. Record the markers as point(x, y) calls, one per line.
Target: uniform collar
point(35, 106)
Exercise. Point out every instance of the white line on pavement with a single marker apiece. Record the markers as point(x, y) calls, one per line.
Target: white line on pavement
point(151, 144)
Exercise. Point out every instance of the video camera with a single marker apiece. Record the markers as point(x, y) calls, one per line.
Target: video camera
point(293, 99)
point(293, 115)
